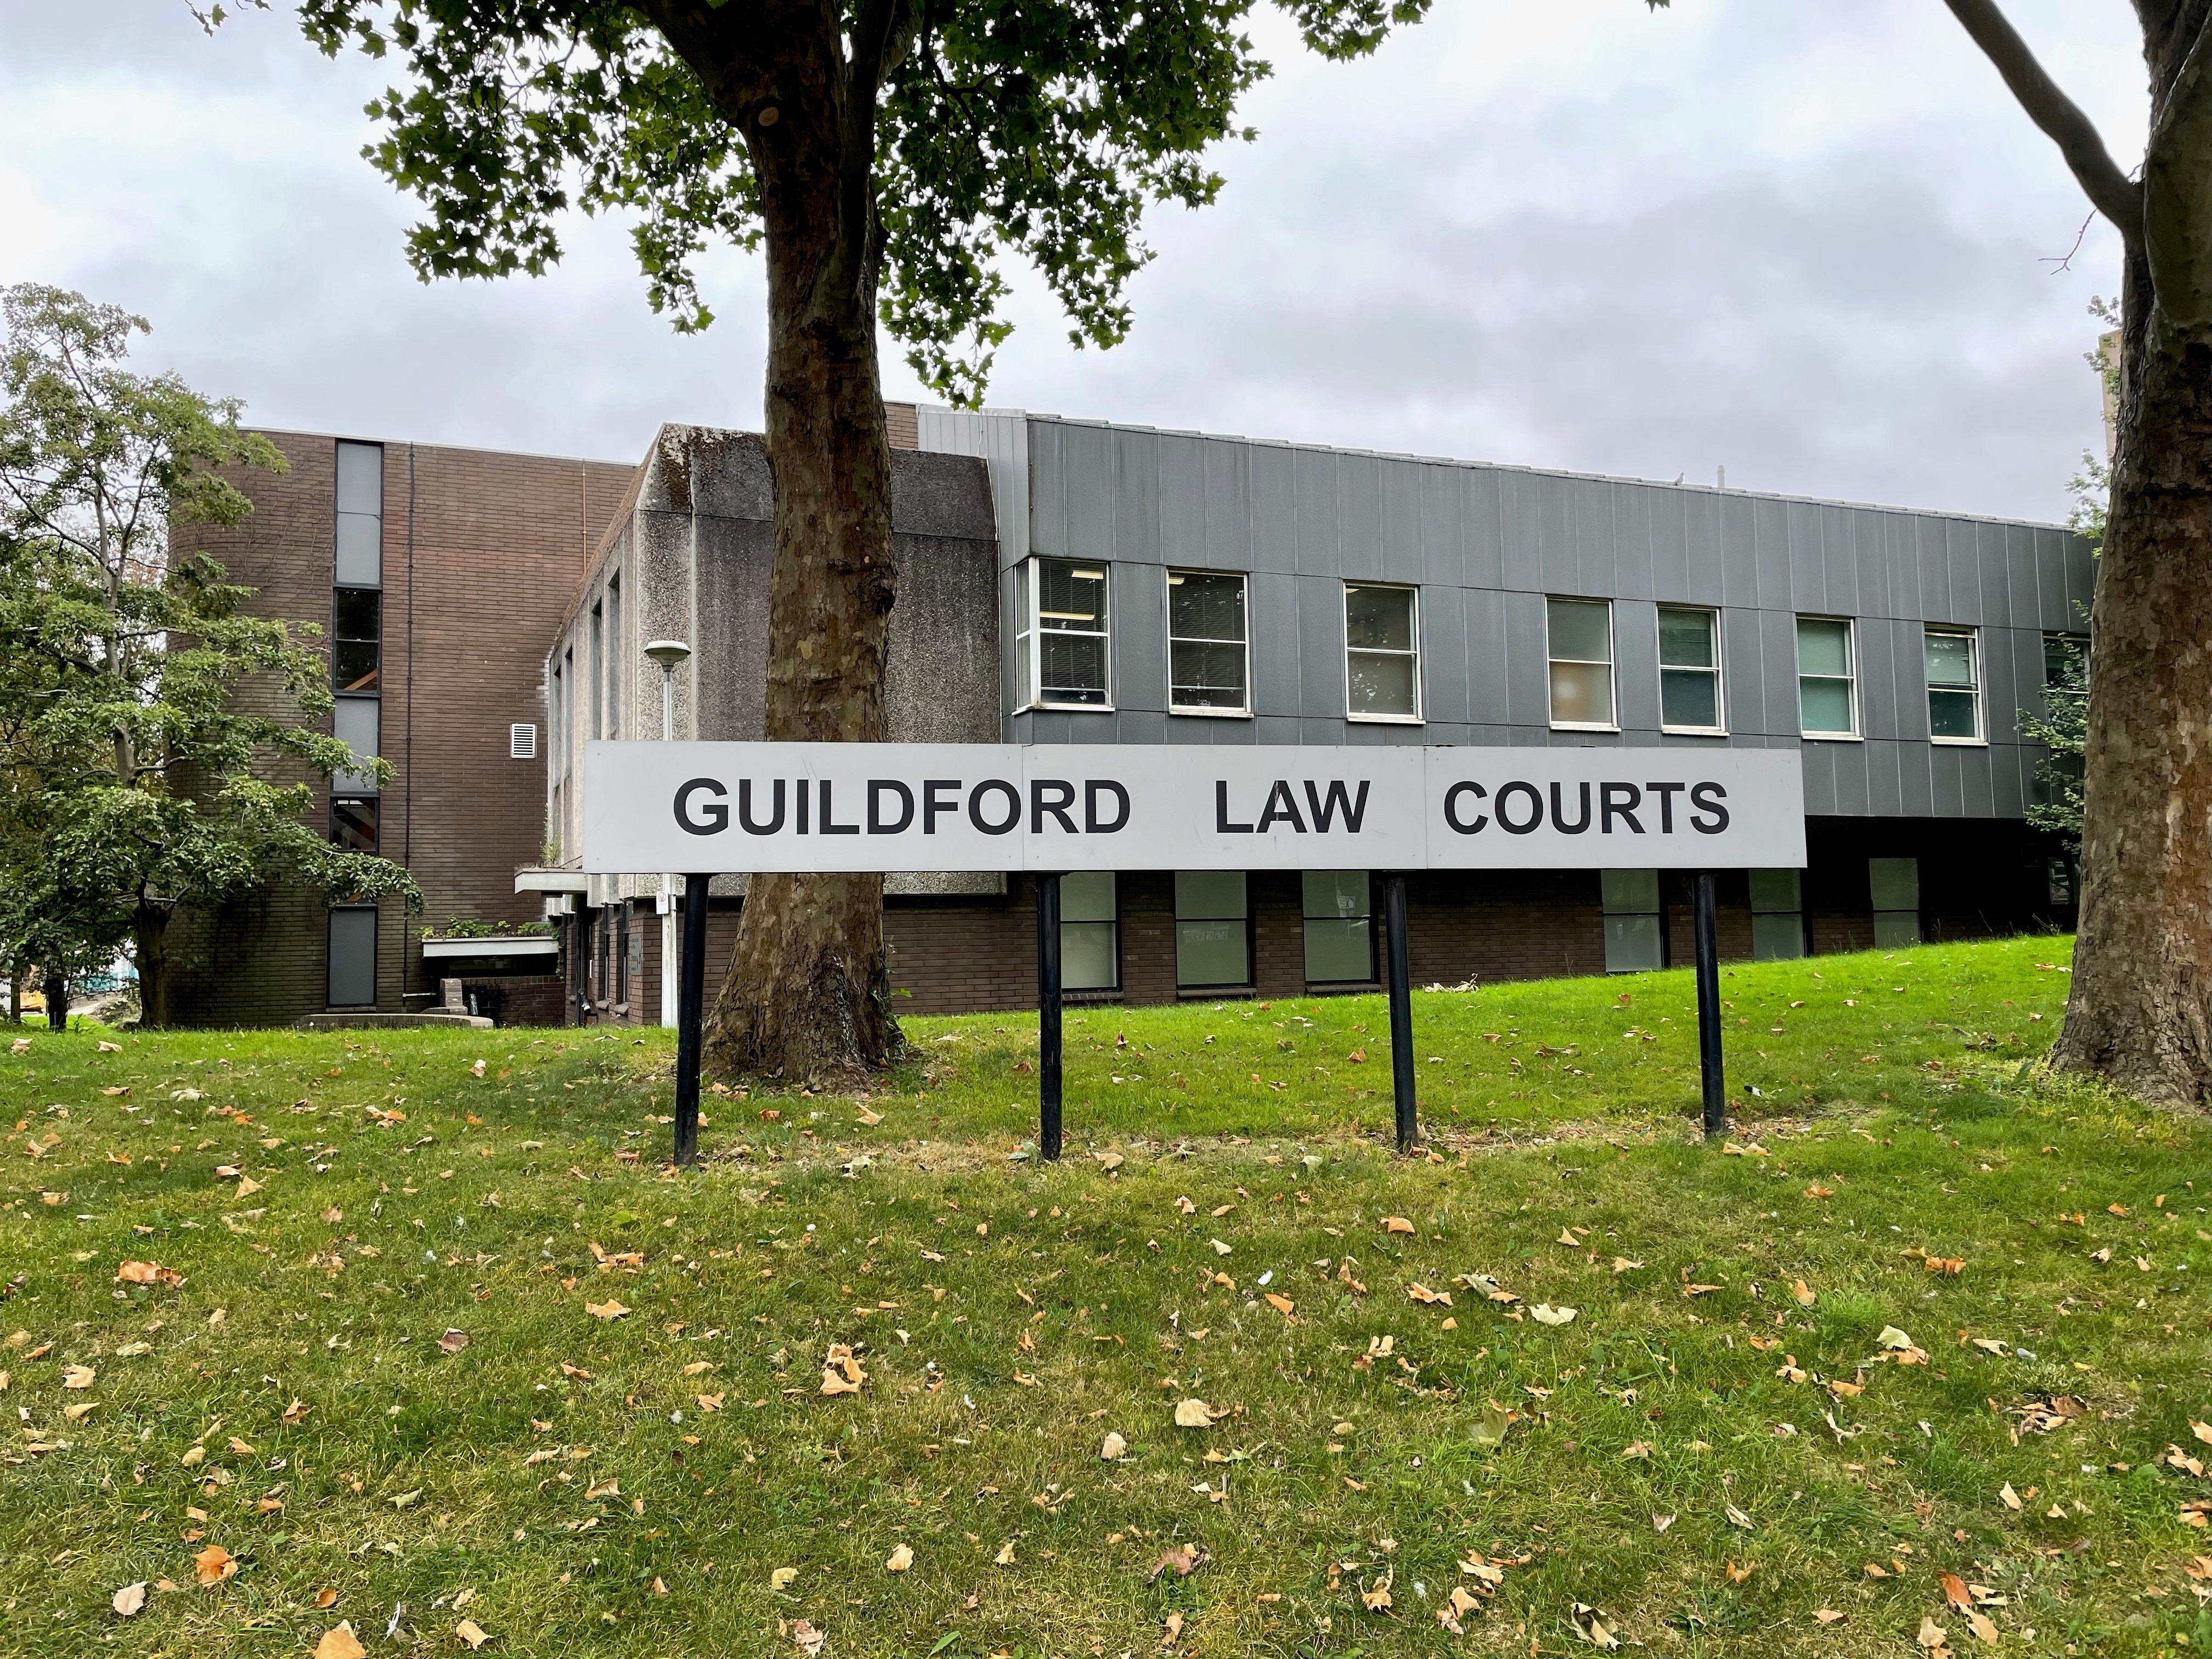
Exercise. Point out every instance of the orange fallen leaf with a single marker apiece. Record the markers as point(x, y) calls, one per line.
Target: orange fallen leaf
point(605, 1310)
point(340, 1642)
point(213, 1564)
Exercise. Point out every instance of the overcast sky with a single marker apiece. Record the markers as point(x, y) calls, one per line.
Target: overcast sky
point(1802, 241)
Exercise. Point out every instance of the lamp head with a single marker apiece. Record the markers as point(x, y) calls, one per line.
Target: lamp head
point(669, 653)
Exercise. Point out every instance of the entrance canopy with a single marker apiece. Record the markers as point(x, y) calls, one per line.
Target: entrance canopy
point(745, 807)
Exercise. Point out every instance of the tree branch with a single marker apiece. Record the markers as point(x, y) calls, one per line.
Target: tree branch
point(2114, 194)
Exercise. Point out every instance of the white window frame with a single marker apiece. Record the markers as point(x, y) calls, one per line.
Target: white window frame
point(1717, 671)
point(1174, 573)
point(1029, 590)
point(1850, 677)
point(1612, 665)
point(1413, 592)
point(1972, 688)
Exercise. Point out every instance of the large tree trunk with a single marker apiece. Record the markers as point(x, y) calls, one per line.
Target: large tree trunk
point(807, 990)
point(2140, 1010)
point(57, 1001)
point(149, 930)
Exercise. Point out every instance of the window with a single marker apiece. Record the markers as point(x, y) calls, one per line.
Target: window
point(1689, 670)
point(1777, 914)
point(351, 978)
point(1382, 653)
point(2065, 657)
point(598, 664)
point(1954, 685)
point(1090, 932)
point(1827, 697)
point(357, 722)
point(615, 646)
point(1580, 632)
point(1213, 944)
point(360, 516)
point(2058, 881)
point(1339, 926)
point(353, 822)
point(1635, 941)
point(1894, 885)
point(356, 638)
point(564, 691)
point(1061, 653)
point(1207, 664)
point(522, 743)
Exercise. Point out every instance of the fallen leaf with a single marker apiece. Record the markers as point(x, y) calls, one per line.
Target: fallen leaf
point(1379, 1599)
point(1894, 1339)
point(1932, 1635)
point(810, 1640)
point(1193, 1414)
point(1174, 1627)
point(1738, 1573)
point(1005, 1557)
point(1982, 1625)
point(1955, 1591)
point(341, 1644)
point(1545, 1314)
point(781, 1577)
point(1281, 1304)
point(78, 1376)
point(213, 1564)
point(2008, 1497)
point(605, 1310)
point(1423, 1294)
point(147, 1272)
point(1114, 1448)
point(326, 1597)
point(2201, 1431)
point(454, 1341)
point(128, 1600)
point(1738, 1518)
point(840, 1371)
point(901, 1557)
point(1180, 1560)
point(1592, 1629)
point(1828, 1616)
point(472, 1632)
point(1396, 1224)
point(869, 1118)
point(1799, 1289)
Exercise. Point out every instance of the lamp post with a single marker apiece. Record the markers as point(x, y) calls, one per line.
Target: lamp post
point(671, 654)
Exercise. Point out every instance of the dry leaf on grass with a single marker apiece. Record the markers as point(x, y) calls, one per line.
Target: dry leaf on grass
point(1396, 1224)
point(472, 1632)
point(147, 1272)
point(454, 1341)
point(213, 1564)
point(1005, 1557)
point(78, 1376)
point(781, 1577)
point(326, 1597)
point(1983, 1626)
point(341, 1644)
point(869, 1119)
point(1592, 1629)
point(1828, 1616)
point(1932, 1635)
point(1180, 1560)
point(810, 1640)
point(901, 1557)
point(1114, 1449)
point(840, 1371)
point(1956, 1592)
point(1193, 1414)
point(605, 1310)
point(1545, 1314)
point(1379, 1599)
point(1174, 1628)
point(1423, 1294)
point(128, 1600)
point(2008, 1497)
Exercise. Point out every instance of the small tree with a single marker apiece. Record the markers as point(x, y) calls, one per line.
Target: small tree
point(884, 154)
point(145, 717)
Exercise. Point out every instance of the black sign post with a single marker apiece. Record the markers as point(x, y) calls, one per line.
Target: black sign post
point(1401, 1009)
point(1709, 1002)
point(690, 995)
point(1048, 913)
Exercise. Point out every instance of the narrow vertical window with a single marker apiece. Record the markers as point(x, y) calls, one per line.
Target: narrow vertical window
point(353, 822)
point(1207, 664)
point(1382, 653)
point(1827, 690)
point(360, 516)
point(1025, 691)
point(1635, 942)
point(1954, 685)
point(1777, 914)
point(1894, 887)
point(1339, 926)
point(616, 660)
point(598, 666)
point(1580, 635)
point(351, 977)
point(1090, 931)
point(1213, 941)
point(1689, 670)
point(556, 731)
point(1072, 634)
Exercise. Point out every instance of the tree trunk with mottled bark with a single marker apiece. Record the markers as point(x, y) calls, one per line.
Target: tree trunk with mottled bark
point(806, 996)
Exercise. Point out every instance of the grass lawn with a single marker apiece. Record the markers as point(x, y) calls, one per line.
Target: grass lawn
point(454, 1357)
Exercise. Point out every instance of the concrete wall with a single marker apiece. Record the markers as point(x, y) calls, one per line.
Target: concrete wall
point(1485, 545)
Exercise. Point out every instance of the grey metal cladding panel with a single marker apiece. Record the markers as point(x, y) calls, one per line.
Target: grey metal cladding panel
point(1278, 728)
point(1138, 636)
point(1842, 530)
point(1820, 763)
point(1890, 701)
point(1133, 485)
point(1277, 643)
point(1764, 696)
point(1885, 782)
point(1852, 772)
point(1444, 663)
point(1445, 525)
point(1962, 543)
point(1578, 543)
point(1528, 669)
point(1047, 486)
point(2080, 586)
point(1481, 508)
point(1092, 455)
point(2012, 766)
point(1274, 508)
point(1922, 573)
point(1977, 796)
point(1321, 550)
point(1136, 726)
point(1633, 571)
point(1635, 663)
point(1176, 474)
point(1947, 770)
point(1519, 530)
point(1916, 779)
point(1801, 581)
point(1359, 516)
point(1487, 658)
point(2009, 656)
point(1992, 573)
point(1400, 554)
point(1771, 529)
point(1228, 504)
point(1321, 648)
point(1668, 518)
point(1739, 551)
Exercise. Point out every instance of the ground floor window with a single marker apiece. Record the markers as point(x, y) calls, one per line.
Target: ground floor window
point(1635, 942)
point(1895, 886)
point(1777, 914)
point(1214, 937)
point(1090, 932)
point(2058, 881)
point(1339, 926)
point(352, 969)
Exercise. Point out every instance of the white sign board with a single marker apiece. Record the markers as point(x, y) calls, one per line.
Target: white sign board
point(717, 807)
